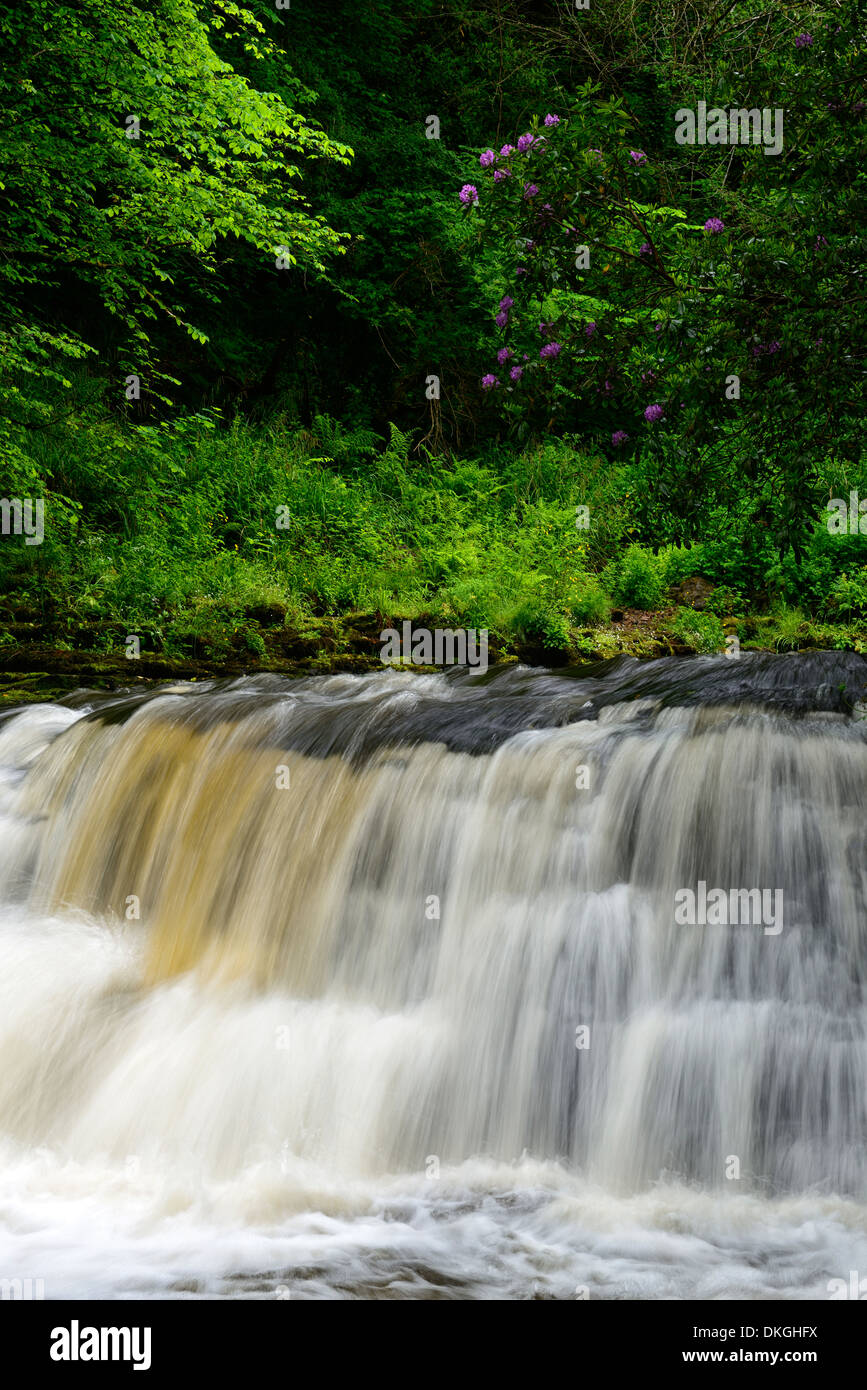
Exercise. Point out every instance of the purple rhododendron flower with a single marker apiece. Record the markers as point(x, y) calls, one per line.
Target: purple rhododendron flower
point(803, 40)
point(521, 270)
point(714, 225)
point(530, 190)
point(653, 412)
point(619, 437)
point(501, 319)
point(500, 174)
point(469, 193)
point(590, 329)
point(774, 346)
point(489, 381)
point(550, 350)
point(507, 150)
point(516, 373)
point(486, 158)
point(506, 302)
point(524, 142)
point(551, 120)
point(637, 156)
point(645, 249)
point(503, 356)
point(820, 242)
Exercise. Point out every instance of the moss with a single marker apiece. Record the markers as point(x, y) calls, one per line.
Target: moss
point(33, 669)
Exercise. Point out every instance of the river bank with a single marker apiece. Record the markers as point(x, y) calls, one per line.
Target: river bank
point(35, 668)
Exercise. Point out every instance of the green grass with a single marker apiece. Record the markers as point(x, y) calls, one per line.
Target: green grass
point(206, 540)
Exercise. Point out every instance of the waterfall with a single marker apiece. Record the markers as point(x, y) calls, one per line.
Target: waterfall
point(310, 963)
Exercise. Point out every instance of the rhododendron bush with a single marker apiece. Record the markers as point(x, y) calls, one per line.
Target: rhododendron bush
point(698, 309)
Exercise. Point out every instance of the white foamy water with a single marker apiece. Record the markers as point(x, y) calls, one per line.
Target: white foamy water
point(319, 1040)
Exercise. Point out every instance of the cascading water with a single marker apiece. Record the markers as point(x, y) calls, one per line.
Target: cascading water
point(374, 987)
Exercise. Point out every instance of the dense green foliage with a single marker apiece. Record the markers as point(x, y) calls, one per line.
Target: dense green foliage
point(234, 255)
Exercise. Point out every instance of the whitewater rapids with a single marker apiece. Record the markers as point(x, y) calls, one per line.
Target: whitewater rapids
point(292, 975)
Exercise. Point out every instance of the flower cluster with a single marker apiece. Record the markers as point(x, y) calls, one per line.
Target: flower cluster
point(469, 194)
point(714, 225)
point(803, 40)
point(489, 159)
point(653, 413)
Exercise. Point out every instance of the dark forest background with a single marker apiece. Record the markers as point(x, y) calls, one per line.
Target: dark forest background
point(254, 358)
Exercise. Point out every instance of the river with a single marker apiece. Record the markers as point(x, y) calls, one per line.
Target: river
point(373, 987)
